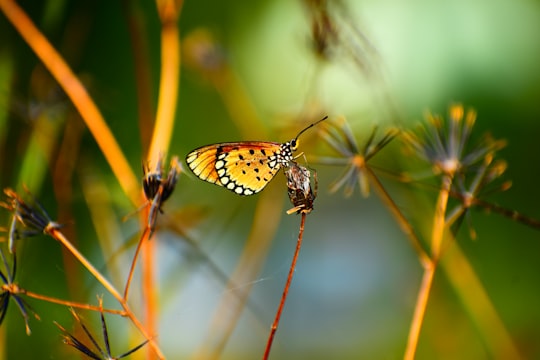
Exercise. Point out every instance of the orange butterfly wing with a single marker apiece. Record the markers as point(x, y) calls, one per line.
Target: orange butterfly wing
point(242, 167)
point(202, 162)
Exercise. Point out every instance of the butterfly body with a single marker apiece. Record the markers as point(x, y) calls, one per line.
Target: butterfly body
point(243, 167)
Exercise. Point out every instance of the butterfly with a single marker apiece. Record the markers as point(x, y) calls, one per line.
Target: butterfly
point(243, 167)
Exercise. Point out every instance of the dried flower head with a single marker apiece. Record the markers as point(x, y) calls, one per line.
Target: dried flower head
point(470, 191)
point(446, 145)
point(341, 138)
point(27, 219)
point(324, 36)
point(98, 353)
point(299, 189)
point(157, 188)
point(334, 32)
point(469, 168)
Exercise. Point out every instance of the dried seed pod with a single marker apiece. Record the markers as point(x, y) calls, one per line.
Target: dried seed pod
point(300, 190)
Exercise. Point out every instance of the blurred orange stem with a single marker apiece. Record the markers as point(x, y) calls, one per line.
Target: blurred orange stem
point(169, 12)
point(439, 222)
point(477, 303)
point(419, 311)
point(74, 89)
point(69, 303)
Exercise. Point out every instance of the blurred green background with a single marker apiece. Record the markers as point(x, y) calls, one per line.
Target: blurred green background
point(357, 277)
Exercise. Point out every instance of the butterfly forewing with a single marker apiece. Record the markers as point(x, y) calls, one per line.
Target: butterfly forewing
point(242, 167)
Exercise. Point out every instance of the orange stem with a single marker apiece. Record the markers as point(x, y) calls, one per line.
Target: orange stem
point(56, 234)
point(144, 238)
point(169, 12)
point(286, 289)
point(437, 237)
point(419, 312)
point(69, 303)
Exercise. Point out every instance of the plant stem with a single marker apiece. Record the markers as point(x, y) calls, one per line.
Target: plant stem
point(419, 312)
point(68, 303)
point(144, 238)
point(437, 236)
point(56, 234)
point(285, 289)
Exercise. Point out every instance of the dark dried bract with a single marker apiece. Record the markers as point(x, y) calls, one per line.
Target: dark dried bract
point(99, 353)
point(154, 183)
point(158, 188)
point(27, 220)
point(9, 289)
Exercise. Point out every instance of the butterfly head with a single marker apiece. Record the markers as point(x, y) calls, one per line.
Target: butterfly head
point(293, 144)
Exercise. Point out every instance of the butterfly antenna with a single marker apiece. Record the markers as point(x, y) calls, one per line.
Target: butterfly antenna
point(310, 126)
